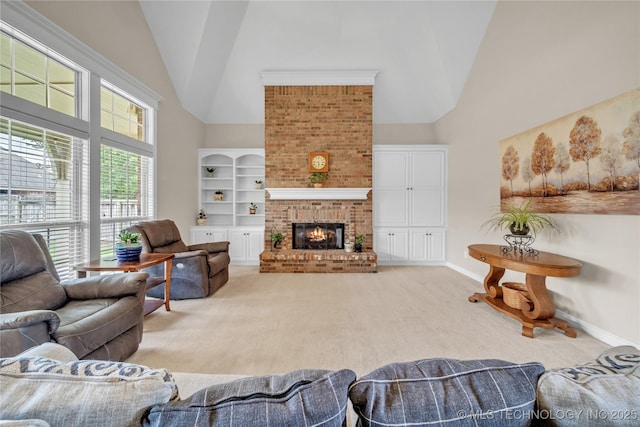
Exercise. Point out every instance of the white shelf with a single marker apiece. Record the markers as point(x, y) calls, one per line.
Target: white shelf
point(236, 172)
point(318, 193)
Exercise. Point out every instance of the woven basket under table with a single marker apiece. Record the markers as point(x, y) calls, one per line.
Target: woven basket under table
point(514, 294)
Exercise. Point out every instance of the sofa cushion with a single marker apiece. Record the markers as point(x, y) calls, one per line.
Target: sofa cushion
point(40, 291)
point(447, 392)
point(605, 391)
point(86, 325)
point(160, 236)
point(304, 397)
point(26, 283)
point(81, 393)
point(21, 255)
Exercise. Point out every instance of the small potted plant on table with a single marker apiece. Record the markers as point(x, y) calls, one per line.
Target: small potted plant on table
point(520, 221)
point(258, 184)
point(253, 208)
point(218, 195)
point(128, 247)
point(210, 171)
point(317, 178)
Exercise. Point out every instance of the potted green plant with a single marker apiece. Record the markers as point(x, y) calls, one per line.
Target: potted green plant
point(218, 195)
point(128, 247)
point(519, 220)
point(201, 218)
point(253, 208)
point(276, 238)
point(317, 178)
point(210, 171)
point(258, 184)
point(357, 247)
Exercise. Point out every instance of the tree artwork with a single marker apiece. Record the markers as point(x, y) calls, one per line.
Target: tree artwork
point(611, 159)
point(631, 146)
point(584, 142)
point(542, 158)
point(585, 162)
point(527, 173)
point(562, 162)
point(510, 165)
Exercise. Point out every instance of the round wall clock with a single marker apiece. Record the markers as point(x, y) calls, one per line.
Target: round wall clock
point(318, 162)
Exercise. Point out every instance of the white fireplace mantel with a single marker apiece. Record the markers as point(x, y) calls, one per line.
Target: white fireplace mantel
point(318, 193)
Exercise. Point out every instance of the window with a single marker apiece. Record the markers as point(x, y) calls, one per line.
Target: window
point(121, 115)
point(56, 113)
point(126, 165)
point(126, 193)
point(28, 73)
point(43, 188)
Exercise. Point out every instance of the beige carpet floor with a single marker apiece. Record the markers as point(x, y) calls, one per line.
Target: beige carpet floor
point(261, 324)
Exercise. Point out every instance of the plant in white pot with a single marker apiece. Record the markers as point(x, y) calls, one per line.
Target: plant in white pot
point(128, 247)
point(519, 220)
point(201, 219)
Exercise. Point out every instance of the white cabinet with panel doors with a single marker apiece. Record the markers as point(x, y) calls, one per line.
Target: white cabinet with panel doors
point(246, 245)
point(391, 245)
point(409, 195)
point(203, 234)
point(230, 182)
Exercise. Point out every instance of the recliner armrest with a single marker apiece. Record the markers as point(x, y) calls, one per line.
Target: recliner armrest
point(24, 319)
point(211, 247)
point(25, 329)
point(190, 254)
point(107, 286)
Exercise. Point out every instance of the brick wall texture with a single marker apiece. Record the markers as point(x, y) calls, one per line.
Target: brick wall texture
point(303, 119)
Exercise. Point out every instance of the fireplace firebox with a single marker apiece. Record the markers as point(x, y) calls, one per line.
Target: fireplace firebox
point(314, 235)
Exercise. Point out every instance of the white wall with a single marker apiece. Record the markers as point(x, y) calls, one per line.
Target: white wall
point(118, 31)
point(540, 61)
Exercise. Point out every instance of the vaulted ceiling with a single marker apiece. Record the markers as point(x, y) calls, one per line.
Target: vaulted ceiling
point(214, 51)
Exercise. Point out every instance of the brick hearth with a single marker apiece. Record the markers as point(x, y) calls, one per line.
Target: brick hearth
point(304, 119)
point(331, 261)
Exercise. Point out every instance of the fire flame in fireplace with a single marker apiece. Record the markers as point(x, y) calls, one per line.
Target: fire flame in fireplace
point(317, 235)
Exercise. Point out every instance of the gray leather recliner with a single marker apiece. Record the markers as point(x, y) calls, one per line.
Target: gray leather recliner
point(198, 270)
point(98, 317)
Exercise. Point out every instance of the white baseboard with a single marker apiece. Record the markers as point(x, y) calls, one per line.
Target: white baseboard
point(596, 332)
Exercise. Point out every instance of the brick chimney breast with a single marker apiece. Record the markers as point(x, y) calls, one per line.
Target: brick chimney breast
point(303, 119)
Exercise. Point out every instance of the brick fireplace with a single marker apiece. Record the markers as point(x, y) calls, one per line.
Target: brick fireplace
point(308, 118)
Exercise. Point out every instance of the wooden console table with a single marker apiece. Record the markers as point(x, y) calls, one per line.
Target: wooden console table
point(146, 260)
point(540, 311)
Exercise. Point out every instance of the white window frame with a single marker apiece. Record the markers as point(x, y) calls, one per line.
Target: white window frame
point(35, 26)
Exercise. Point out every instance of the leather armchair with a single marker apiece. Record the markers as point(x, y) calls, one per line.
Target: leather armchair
point(99, 317)
point(198, 270)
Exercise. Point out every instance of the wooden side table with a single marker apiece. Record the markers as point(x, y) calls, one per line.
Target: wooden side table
point(540, 311)
point(146, 260)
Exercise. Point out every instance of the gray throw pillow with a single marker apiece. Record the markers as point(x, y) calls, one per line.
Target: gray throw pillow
point(81, 393)
point(604, 392)
point(447, 392)
point(298, 398)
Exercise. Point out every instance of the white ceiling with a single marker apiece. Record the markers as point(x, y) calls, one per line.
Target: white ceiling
point(214, 51)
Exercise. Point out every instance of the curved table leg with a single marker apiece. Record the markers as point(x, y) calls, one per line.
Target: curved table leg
point(541, 306)
point(491, 284)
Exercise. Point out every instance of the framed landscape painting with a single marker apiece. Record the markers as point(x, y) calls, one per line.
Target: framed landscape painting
point(586, 162)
